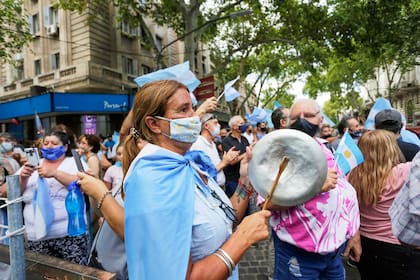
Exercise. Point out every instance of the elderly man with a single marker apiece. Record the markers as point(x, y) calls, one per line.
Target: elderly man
point(310, 238)
point(239, 143)
point(210, 129)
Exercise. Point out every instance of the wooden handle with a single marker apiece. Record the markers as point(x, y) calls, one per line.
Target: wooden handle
point(282, 166)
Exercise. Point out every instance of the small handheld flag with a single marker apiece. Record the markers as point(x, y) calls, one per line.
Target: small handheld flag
point(348, 154)
point(230, 92)
point(43, 209)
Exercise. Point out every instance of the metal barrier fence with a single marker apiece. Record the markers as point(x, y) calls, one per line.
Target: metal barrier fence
point(15, 228)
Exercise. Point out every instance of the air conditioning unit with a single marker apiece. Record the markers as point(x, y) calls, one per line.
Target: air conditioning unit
point(52, 29)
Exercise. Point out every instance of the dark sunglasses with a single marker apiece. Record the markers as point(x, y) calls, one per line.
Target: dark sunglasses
point(229, 211)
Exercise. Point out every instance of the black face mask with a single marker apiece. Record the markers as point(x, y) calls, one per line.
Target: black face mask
point(263, 129)
point(305, 126)
point(242, 128)
point(356, 134)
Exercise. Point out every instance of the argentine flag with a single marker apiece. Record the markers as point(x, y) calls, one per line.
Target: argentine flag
point(43, 209)
point(348, 154)
point(380, 104)
point(230, 92)
point(180, 72)
point(258, 115)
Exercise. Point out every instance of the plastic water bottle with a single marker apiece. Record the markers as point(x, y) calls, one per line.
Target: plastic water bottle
point(75, 206)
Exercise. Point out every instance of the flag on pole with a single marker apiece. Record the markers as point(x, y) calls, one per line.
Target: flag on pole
point(268, 118)
point(380, 104)
point(38, 123)
point(258, 115)
point(180, 72)
point(230, 92)
point(277, 105)
point(348, 154)
point(43, 209)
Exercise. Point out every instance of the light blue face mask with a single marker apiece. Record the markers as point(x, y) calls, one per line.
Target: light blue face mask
point(184, 130)
point(6, 147)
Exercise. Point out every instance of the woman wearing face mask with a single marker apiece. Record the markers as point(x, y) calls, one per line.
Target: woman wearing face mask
point(58, 169)
point(178, 222)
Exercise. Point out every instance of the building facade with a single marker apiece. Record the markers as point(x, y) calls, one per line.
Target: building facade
point(406, 98)
point(79, 69)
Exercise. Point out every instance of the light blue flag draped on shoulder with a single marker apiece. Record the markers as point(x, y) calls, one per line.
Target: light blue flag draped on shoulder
point(230, 92)
point(43, 209)
point(410, 137)
point(158, 215)
point(348, 154)
point(180, 72)
point(406, 135)
point(380, 104)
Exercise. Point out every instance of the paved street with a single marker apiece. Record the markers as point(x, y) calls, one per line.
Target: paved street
point(258, 263)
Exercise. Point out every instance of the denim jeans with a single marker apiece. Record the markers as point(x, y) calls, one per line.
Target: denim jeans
point(292, 262)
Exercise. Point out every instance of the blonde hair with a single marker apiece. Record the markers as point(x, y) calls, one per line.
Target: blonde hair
point(150, 100)
point(381, 153)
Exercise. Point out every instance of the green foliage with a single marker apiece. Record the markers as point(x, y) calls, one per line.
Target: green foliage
point(14, 29)
point(337, 47)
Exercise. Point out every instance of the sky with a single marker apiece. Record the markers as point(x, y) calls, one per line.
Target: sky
point(297, 89)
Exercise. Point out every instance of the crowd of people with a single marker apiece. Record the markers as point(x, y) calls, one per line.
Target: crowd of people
point(173, 201)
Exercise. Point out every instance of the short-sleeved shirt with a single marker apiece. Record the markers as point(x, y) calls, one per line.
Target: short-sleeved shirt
point(232, 171)
point(114, 175)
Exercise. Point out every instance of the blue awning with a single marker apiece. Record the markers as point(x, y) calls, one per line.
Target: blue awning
point(26, 107)
point(92, 103)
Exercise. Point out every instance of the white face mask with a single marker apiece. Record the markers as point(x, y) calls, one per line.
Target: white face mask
point(215, 131)
point(184, 130)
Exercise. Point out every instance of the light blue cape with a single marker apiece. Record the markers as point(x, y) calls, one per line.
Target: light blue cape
point(159, 210)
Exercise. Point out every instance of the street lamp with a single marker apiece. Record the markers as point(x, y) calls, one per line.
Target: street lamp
point(229, 16)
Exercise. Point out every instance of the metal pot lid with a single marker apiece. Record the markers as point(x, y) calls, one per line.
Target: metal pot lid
point(303, 177)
